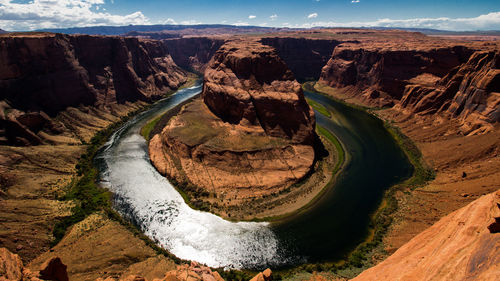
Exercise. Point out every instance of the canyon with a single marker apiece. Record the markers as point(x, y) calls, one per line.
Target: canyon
point(58, 90)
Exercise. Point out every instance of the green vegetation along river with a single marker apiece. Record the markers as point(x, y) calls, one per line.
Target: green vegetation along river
point(341, 218)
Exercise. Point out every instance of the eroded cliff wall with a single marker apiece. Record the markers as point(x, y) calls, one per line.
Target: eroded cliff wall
point(193, 53)
point(304, 56)
point(42, 75)
point(455, 81)
point(470, 92)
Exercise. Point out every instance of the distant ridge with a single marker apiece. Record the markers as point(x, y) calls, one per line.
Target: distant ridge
point(137, 29)
point(430, 31)
point(3, 31)
point(120, 30)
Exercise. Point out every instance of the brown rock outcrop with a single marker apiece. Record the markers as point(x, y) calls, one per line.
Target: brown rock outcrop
point(252, 135)
point(54, 269)
point(43, 74)
point(458, 247)
point(247, 83)
point(12, 269)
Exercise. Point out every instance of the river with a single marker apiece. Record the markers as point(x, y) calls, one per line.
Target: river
point(326, 231)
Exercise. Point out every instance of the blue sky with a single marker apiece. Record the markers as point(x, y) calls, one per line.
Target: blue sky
point(444, 14)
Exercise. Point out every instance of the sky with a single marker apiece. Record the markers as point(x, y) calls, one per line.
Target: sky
point(458, 15)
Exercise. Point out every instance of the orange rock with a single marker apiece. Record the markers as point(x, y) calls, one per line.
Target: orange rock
point(263, 276)
point(458, 247)
point(11, 266)
point(134, 278)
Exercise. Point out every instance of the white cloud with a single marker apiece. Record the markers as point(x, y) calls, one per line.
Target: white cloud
point(264, 24)
point(489, 21)
point(273, 17)
point(252, 17)
point(355, 1)
point(38, 14)
point(169, 21)
point(312, 16)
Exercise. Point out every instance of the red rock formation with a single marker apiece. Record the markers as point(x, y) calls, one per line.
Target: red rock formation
point(193, 53)
point(263, 276)
point(11, 266)
point(458, 247)
point(305, 57)
point(453, 81)
point(43, 74)
point(470, 93)
point(249, 84)
point(382, 73)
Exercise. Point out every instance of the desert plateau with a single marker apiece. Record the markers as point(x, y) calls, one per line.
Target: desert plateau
point(214, 140)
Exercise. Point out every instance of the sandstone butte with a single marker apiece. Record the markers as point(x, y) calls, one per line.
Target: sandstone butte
point(252, 134)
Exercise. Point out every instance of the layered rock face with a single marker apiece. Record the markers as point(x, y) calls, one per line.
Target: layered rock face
point(381, 74)
point(305, 57)
point(193, 53)
point(454, 81)
point(461, 246)
point(42, 75)
point(251, 135)
point(250, 84)
point(469, 92)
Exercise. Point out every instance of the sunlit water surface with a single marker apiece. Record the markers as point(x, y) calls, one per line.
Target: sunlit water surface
point(149, 200)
